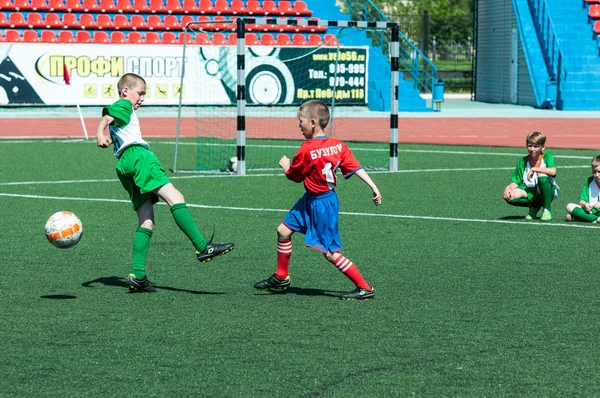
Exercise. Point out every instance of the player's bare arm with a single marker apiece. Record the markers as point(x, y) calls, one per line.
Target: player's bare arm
point(542, 171)
point(101, 140)
point(362, 174)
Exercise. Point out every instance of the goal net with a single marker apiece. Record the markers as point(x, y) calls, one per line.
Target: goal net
point(243, 81)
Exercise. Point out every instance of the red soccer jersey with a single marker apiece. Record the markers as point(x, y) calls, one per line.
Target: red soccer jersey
point(316, 162)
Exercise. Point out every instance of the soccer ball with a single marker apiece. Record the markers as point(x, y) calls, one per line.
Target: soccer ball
point(64, 229)
point(232, 164)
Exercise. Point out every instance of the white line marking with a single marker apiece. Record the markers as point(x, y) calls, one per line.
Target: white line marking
point(250, 209)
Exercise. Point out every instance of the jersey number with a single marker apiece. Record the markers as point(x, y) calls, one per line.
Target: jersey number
point(329, 176)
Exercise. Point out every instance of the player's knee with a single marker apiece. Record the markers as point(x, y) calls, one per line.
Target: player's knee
point(329, 256)
point(283, 232)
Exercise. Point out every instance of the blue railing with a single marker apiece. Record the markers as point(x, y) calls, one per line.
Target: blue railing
point(553, 55)
point(412, 60)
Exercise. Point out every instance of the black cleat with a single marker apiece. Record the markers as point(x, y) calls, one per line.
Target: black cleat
point(359, 293)
point(139, 285)
point(273, 283)
point(214, 250)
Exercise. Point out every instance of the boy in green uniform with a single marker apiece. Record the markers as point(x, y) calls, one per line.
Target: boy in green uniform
point(145, 180)
point(588, 208)
point(532, 184)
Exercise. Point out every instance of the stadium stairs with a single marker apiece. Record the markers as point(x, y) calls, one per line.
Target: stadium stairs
point(409, 98)
point(580, 84)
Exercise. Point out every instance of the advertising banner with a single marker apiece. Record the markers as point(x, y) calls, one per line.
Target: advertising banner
point(34, 74)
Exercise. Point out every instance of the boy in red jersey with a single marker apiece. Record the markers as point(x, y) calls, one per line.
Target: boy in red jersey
point(316, 214)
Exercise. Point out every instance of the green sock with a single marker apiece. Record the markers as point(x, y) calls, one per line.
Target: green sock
point(579, 213)
point(546, 191)
point(521, 202)
point(186, 223)
point(141, 244)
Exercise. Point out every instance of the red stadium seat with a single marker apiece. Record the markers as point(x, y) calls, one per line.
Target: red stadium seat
point(122, 23)
point(155, 23)
point(254, 8)
point(107, 6)
point(174, 6)
point(594, 12)
point(285, 8)
point(118, 38)
point(6, 5)
point(138, 22)
point(185, 19)
point(30, 36)
point(48, 36)
point(157, 7)
point(83, 37)
point(91, 6)
point(283, 40)
point(169, 38)
point(52, 20)
point(12, 36)
point(315, 40)
point(238, 7)
point(270, 7)
point(57, 5)
point(39, 5)
point(300, 8)
point(596, 29)
point(191, 7)
point(202, 39)
point(66, 36)
point(1, 36)
point(219, 39)
point(16, 20)
point(101, 37)
point(135, 38)
point(105, 22)
point(232, 39)
point(222, 7)
point(87, 21)
point(205, 23)
point(267, 39)
point(21, 5)
point(219, 24)
point(74, 6)
point(70, 21)
point(185, 36)
point(124, 6)
point(152, 38)
point(252, 39)
point(3, 21)
point(207, 7)
point(172, 23)
point(141, 6)
point(299, 40)
point(34, 20)
point(330, 40)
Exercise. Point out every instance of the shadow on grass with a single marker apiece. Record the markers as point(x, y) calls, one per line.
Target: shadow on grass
point(120, 282)
point(59, 297)
point(513, 218)
point(301, 292)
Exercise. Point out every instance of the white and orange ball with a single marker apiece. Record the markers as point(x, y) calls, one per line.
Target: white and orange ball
point(63, 229)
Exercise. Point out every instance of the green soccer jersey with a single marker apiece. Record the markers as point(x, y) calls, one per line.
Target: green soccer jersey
point(590, 192)
point(125, 129)
point(519, 176)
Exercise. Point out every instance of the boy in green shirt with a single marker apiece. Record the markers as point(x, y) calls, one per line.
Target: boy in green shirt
point(144, 178)
point(588, 208)
point(532, 184)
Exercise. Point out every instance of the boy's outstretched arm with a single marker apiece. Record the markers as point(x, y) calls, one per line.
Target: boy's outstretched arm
point(101, 140)
point(362, 174)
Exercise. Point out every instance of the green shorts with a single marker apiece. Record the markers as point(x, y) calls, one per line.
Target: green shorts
point(141, 173)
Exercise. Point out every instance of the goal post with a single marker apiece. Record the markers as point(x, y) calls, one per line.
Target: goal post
point(243, 95)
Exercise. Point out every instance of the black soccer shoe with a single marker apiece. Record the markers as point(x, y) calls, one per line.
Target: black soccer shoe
point(273, 283)
point(139, 285)
point(214, 250)
point(359, 293)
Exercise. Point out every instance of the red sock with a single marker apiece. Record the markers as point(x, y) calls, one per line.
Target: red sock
point(284, 252)
point(350, 270)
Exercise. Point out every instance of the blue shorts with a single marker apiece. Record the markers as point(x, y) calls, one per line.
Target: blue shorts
point(316, 216)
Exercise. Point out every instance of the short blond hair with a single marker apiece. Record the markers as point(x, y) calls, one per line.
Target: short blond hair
point(315, 109)
point(129, 80)
point(536, 138)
